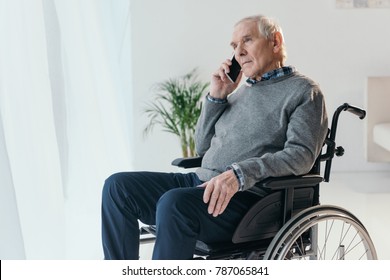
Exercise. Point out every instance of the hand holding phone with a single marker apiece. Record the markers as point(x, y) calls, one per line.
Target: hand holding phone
point(220, 87)
point(234, 70)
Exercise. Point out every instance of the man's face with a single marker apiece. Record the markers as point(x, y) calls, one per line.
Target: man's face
point(254, 53)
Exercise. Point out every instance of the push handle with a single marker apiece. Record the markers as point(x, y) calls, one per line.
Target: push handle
point(330, 141)
point(355, 110)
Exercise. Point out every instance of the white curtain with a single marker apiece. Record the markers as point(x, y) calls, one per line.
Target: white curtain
point(65, 122)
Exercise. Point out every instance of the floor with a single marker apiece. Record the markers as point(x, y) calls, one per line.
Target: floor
point(365, 194)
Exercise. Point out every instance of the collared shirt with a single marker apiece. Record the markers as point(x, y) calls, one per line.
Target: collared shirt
point(277, 73)
point(216, 100)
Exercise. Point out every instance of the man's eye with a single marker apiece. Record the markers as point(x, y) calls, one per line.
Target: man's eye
point(247, 40)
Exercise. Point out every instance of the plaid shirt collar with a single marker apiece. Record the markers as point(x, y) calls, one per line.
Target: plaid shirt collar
point(277, 73)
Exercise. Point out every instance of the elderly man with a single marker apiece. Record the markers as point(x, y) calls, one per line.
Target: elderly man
point(273, 125)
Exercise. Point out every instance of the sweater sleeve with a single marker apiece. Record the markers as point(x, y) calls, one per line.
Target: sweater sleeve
point(204, 132)
point(306, 132)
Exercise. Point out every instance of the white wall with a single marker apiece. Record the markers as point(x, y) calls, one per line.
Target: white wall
point(337, 47)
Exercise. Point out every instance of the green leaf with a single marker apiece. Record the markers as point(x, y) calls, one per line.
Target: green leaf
point(176, 107)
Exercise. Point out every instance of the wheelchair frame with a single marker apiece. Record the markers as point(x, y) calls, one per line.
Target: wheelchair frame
point(290, 223)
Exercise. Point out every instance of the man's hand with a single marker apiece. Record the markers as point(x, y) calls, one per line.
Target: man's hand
point(221, 86)
point(218, 192)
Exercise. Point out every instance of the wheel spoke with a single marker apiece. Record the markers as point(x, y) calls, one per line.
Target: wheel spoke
point(322, 232)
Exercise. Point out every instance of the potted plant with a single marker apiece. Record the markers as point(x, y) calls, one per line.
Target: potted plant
point(177, 107)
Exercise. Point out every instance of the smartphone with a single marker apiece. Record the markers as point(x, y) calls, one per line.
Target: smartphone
point(235, 69)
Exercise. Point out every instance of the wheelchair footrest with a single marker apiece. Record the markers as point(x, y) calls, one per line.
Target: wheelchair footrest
point(228, 249)
point(147, 234)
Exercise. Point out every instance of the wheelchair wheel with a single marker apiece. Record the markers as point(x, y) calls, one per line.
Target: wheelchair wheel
point(322, 232)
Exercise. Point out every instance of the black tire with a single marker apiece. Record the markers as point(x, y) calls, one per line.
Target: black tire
point(322, 232)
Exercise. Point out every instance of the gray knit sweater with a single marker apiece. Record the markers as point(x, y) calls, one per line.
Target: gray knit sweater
point(273, 128)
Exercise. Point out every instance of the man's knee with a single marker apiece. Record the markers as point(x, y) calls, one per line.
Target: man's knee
point(117, 187)
point(179, 202)
point(111, 185)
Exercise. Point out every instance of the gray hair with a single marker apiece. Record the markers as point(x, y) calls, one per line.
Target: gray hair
point(267, 27)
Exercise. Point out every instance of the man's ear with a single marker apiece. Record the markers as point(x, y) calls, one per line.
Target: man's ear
point(278, 42)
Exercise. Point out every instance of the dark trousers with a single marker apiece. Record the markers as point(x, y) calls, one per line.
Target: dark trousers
point(173, 203)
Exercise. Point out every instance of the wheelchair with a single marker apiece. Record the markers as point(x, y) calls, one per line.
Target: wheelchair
point(290, 223)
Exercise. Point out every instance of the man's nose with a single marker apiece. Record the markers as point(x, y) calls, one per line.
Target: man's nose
point(240, 50)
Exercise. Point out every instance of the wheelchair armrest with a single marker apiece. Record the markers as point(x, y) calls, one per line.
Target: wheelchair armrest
point(271, 183)
point(278, 183)
point(189, 162)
